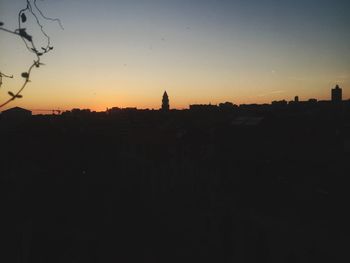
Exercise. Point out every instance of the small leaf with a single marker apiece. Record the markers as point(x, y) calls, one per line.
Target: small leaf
point(23, 33)
point(23, 18)
point(19, 96)
point(51, 48)
point(11, 94)
point(25, 75)
point(39, 53)
point(1, 23)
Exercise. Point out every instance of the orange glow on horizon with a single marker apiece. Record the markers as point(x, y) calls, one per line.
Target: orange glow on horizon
point(126, 55)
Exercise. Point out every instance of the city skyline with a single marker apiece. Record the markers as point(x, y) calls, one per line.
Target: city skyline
point(335, 97)
point(125, 53)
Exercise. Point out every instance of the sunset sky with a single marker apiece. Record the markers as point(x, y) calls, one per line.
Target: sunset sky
point(126, 52)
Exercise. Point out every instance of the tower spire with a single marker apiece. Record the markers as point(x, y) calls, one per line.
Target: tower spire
point(336, 94)
point(165, 102)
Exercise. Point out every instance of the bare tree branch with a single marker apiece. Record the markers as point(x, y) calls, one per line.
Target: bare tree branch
point(30, 45)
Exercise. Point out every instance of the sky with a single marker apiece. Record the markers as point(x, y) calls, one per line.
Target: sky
point(126, 53)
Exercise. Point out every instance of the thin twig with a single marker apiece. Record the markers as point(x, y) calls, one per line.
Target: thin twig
point(30, 45)
point(21, 89)
point(48, 18)
point(2, 75)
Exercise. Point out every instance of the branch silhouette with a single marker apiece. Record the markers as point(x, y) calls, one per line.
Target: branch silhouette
point(30, 45)
point(2, 75)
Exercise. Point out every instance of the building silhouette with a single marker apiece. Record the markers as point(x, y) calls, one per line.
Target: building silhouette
point(165, 102)
point(16, 113)
point(203, 107)
point(336, 94)
point(227, 105)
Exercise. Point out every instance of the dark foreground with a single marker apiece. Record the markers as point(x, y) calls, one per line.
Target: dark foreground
point(177, 187)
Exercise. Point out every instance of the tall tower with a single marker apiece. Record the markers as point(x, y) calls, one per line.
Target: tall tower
point(165, 102)
point(336, 94)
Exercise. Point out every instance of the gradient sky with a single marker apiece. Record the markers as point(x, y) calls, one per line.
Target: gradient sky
point(126, 52)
